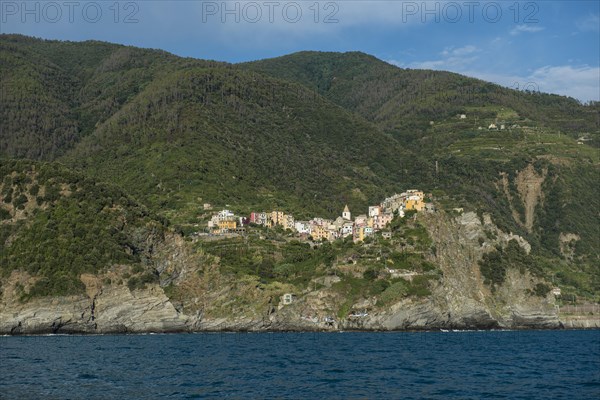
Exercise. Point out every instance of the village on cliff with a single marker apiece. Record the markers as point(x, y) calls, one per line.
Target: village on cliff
point(225, 222)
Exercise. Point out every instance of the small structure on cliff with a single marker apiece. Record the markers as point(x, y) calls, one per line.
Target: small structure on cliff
point(287, 299)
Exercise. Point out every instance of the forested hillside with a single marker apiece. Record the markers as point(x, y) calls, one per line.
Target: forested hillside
point(305, 133)
point(235, 137)
point(55, 93)
point(402, 100)
point(172, 131)
point(56, 225)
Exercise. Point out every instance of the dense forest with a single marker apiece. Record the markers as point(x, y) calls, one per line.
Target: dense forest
point(57, 224)
point(406, 100)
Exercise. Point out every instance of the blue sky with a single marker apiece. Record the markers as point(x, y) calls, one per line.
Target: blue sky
point(553, 46)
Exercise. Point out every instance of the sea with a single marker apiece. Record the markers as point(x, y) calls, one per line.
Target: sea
point(342, 365)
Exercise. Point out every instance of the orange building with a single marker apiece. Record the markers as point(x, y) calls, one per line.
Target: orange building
point(227, 225)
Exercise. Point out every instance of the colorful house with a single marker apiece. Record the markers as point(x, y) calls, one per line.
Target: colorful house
point(259, 218)
point(347, 229)
point(225, 214)
point(415, 203)
point(302, 227)
point(288, 222)
point(227, 225)
point(319, 232)
point(384, 219)
point(277, 217)
point(374, 211)
point(361, 220)
point(359, 233)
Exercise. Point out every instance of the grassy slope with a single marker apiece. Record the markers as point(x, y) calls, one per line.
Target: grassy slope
point(175, 131)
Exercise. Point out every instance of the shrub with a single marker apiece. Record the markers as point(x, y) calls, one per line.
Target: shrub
point(35, 189)
point(4, 214)
point(494, 265)
point(140, 282)
point(379, 287)
point(20, 202)
point(541, 290)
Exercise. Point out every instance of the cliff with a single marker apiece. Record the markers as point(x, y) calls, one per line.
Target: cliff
point(206, 300)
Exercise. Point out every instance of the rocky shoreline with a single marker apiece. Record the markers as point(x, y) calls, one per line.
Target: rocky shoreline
point(70, 328)
point(120, 311)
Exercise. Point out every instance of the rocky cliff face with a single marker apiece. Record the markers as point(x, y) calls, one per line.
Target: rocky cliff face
point(201, 299)
point(116, 310)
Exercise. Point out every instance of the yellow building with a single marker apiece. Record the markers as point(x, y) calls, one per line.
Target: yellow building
point(359, 234)
point(415, 204)
point(288, 222)
point(319, 232)
point(277, 217)
point(227, 225)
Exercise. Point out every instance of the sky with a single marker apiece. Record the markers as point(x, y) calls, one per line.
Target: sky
point(550, 46)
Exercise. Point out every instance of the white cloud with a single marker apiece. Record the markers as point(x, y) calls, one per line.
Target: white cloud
point(461, 51)
point(525, 28)
point(591, 23)
point(452, 58)
point(580, 82)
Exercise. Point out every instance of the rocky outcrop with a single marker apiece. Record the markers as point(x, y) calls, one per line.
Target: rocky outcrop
point(57, 315)
point(581, 322)
point(105, 308)
point(120, 310)
point(113, 310)
point(462, 295)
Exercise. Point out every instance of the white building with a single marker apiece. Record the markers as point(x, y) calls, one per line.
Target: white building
point(347, 229)
point(287, 299)
point(225, 215)
point(346, 213)
point(374, 211)
point(303, 227)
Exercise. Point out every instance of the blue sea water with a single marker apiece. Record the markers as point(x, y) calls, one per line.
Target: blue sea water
point(403, 365)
